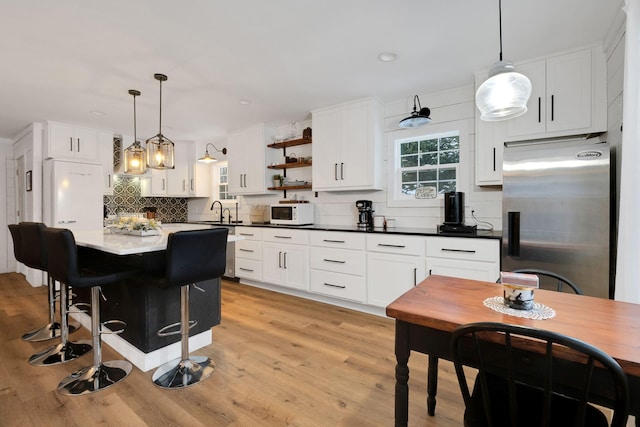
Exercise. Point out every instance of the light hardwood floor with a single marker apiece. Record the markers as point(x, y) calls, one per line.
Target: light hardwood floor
point(280, 361)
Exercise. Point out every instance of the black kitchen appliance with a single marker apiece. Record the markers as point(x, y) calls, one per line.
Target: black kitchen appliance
point(365, 214)
point(454, 214)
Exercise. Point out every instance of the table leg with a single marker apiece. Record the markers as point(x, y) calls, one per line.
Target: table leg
point(402, 374)
point(432, 385)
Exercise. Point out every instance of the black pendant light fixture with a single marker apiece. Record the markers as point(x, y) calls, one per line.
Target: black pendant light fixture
point(419, 116)
point(135, 161)
point(505, 93)
point(207, 158)
point(160, 149)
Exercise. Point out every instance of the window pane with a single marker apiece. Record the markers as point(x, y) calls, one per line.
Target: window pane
point(428, 159)
point(446, 186)
point(428, 145)
point(450, 143)
point(449, 157)
point(409, 147)
point(427, 175)
point(446, 174)
point(408, 161)
point(223, 179)
point(409, 176)
point(409, 189)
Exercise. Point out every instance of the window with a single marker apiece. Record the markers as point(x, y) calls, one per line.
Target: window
point(426, 163)
point(223, 184)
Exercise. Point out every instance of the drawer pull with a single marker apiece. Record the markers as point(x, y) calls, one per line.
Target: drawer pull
point(246, 250)
point(246, 234)
point(391, 246)
point(246, 269)
point(282, 237)
point(467, 251)
point(333, 241)
point(334, 286)
point(335, 261)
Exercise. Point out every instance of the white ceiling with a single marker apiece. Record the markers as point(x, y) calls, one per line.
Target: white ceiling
point(63, 60)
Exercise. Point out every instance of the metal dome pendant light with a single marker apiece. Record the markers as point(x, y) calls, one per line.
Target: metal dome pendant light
point(160, 149)
point(135, 159)
point(418, 117)
point(505, 93)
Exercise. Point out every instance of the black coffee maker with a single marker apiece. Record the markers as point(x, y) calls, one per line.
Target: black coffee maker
point(365, 214)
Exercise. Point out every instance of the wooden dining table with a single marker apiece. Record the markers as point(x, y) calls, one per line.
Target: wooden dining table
point(427, 314)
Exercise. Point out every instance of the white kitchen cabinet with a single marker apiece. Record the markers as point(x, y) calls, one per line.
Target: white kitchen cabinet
point(286, 257)
point(105, 142)
point(467, 258)
point(347, 147)
point(63, 141)
point(248, 159)
point(338, 265)
point(154, 183)
point(176, 182)
point(568, 98)
point(199, 179)
point(395, 263)
point(248, 253)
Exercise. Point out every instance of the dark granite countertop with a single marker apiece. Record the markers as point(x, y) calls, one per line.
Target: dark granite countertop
point(409, 231)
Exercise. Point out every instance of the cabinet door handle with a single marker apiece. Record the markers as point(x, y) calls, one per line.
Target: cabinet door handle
point(494, 159)
point(163, 187)
point(70, 143)
point(246, 269)
point(282, 237)
point(335, 171)
point(184, 185)
point(334, 261)
point(415, 276)
point(246, 234)
point(552, 107)
point(333, 241)
point(192, 185)
point(245, 180)
point(246, 250)
point(109, 180)
point(334, 286)
point(78, 145)
point(279, 259)
point(391, 246)
point(468, 251)
point(284, 256)
point(341, 170)
point(539, 109)
point(429, 272)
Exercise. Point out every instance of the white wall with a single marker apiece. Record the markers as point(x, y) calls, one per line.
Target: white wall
point(7, 171)
point(338, 208)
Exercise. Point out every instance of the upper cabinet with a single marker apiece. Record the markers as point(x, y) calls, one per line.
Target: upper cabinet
point(62, 141)
point(568, 98)
point(105, 142)
point(347, 147)
point(248, 173)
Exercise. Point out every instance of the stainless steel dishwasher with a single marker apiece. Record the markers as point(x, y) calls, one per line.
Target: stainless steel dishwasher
point(229, 272)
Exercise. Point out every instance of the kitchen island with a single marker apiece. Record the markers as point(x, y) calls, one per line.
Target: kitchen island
point(146, 309)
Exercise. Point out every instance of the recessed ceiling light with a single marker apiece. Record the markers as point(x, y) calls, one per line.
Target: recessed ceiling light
point(97, 113)
point(245, 101)
point(387, 57)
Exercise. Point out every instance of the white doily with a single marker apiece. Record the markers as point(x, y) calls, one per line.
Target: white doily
point(538, 312)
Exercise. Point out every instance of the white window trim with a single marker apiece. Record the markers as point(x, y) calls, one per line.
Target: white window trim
point(461, 126)
point(215, 176)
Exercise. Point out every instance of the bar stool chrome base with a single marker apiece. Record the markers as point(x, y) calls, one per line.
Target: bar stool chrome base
point(95, 378)
point(60, 353)
point(180, 373)
point(48, 332)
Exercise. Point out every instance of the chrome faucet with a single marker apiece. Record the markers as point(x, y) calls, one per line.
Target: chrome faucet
point(221, 212)
point(229, 212)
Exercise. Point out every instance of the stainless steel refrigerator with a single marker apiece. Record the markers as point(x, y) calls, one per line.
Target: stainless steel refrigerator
point(557, 210)
point(72, 195)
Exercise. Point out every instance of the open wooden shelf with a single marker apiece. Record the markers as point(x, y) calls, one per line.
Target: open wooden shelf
point(290, 165)
point(290, 143)
point(307, 186)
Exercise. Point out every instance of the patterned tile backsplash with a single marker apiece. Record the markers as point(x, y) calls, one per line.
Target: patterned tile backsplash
point(126, 198)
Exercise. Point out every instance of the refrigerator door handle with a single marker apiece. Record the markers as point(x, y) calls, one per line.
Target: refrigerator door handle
point(513, 236)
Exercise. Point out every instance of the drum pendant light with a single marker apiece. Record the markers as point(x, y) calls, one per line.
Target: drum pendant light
point(418, 117)
point(135, 160)
point(160, 149)
point(505, 93)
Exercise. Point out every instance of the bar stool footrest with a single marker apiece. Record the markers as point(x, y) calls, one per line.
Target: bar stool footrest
point(119, 323)
point(163, 332)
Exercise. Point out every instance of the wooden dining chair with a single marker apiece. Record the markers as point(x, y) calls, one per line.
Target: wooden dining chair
point(534, 377)
point(560, 281)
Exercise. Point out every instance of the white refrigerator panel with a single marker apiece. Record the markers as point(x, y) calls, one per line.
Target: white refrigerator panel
point(72, 194)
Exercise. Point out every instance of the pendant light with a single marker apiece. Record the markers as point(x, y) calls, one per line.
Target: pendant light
point(505, 93)
point(135, 161)
point(160, 149)
point(207, 158)
point(418, 117)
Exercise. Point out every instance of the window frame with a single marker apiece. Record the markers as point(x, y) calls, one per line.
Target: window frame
point(395, 198)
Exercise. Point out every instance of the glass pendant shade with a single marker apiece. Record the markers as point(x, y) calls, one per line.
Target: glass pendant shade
point(160, 149)
point(135, 159)
point(504, 95)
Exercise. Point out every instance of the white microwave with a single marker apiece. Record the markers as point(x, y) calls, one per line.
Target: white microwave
point(292, 214)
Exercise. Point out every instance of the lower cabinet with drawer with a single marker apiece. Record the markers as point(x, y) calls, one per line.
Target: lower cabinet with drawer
point(338, 265)
point(286, 258)
point(248, 254)
point(394, 265)
point(477, 259)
